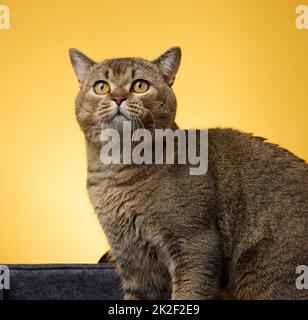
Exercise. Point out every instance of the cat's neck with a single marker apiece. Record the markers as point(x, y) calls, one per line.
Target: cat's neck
point(117, 171)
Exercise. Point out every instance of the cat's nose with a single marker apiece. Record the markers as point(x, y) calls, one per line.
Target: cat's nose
point(118, 100)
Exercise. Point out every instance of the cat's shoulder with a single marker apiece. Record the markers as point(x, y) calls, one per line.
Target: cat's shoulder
point(243, 142)
point(230, 134)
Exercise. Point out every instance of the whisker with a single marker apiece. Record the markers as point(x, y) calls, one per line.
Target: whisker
point(93, 134)
point(152, 118)
point(134, 129)
point(164, 105)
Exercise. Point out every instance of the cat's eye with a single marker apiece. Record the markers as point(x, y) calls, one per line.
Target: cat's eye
point(140, 86)
point(101, 88)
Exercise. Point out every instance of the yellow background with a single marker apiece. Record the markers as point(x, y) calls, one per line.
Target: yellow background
point(245, 65)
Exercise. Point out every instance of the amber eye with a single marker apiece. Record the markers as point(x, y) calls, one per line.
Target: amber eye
point(101, 87)
point(140, 86)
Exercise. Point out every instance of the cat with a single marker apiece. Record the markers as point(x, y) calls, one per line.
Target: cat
point(241, 227)
point(107, 257)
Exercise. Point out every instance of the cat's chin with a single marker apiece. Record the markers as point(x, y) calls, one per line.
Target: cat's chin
point(116, 122)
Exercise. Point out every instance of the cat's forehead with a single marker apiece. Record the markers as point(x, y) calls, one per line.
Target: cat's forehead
point(126, 69)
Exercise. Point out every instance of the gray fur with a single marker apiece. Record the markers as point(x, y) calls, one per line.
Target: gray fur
point(241, 227)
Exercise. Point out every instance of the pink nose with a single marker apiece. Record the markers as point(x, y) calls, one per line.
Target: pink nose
point(118, 100)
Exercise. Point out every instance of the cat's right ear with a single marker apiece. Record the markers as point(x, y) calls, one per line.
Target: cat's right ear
point(169, 64)
point(82, 64)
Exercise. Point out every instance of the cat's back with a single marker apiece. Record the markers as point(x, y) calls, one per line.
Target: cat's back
point(253, 155)
point(258, 184)
point(262, 211)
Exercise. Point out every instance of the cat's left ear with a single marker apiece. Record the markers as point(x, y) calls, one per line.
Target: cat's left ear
point(169, 64)
point(81, 63)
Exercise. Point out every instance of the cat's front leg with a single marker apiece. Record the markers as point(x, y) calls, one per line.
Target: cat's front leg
point(108, 257)
point(196, 267)
point(145, 284)
point(138, 290)
point(133, 292)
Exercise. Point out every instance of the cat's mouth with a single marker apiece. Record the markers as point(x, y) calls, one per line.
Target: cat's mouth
point(116, 121)
point(120, 116)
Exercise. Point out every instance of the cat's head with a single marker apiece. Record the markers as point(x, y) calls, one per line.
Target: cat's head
point(123, 89)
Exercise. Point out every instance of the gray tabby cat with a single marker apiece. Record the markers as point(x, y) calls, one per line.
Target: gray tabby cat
point(243, 226)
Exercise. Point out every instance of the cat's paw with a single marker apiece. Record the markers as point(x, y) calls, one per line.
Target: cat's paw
point(107, 258)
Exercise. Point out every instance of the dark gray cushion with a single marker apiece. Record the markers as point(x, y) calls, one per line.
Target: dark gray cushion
point(62, 282)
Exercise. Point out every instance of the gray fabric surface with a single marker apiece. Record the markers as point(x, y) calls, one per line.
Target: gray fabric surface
point(62, 282)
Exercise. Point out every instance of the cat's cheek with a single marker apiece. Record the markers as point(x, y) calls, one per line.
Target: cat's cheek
point(92, 101)
point(150, 96)
point(92, 97)
point(154, 92)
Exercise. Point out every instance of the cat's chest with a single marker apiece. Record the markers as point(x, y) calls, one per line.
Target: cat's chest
point(122, 209)
point(113, 201)
point(126, 215)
